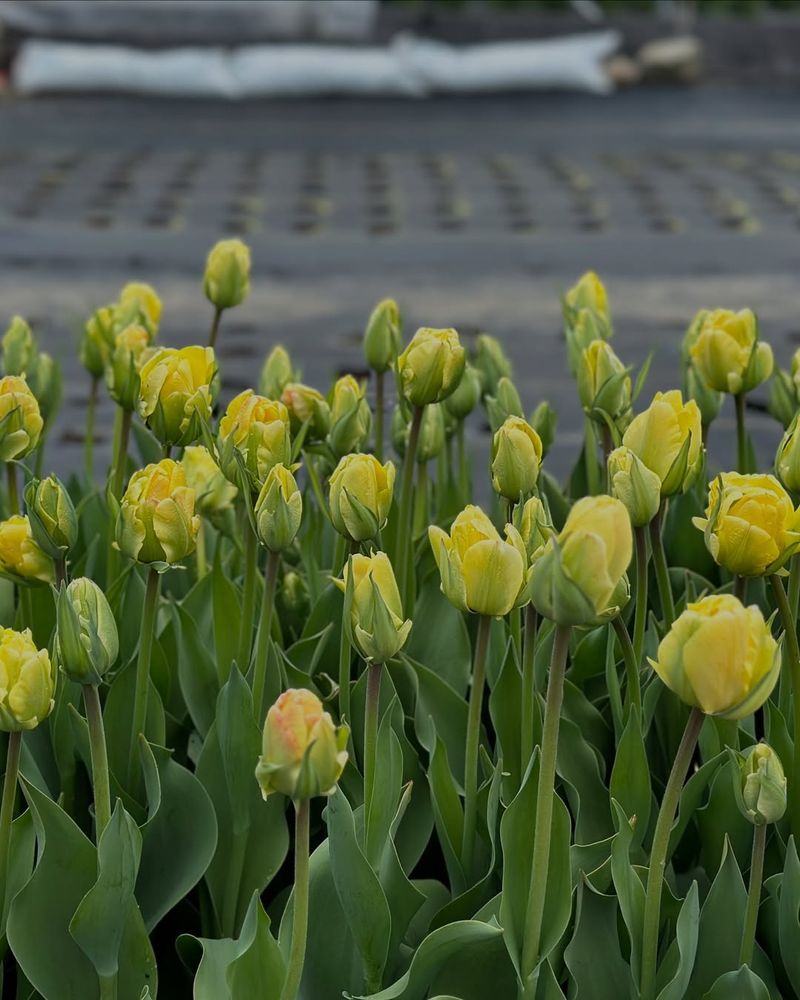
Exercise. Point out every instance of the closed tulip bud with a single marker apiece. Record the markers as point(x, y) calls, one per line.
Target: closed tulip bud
point(503, 405)
point(431, 366)
point(156, 521)
point(360, 497)
point(178, 389)
point(376, 611)
point(432, 433)
point(139, 305)
point(516, 459)
point(122, 375)
point(795, 370)
point(97, 341)
point(760, 785)
point(86, 638)
point(227, 279)
point(727, 353)
point(258, 429)
point(277, 373)
point(278, 510)
point(580, 576)
point(635, 485)
point(462, 402)
point(751, 527)
point(709, 401)
point(604, 385)
point(692, 332)
point(20, 418)
point(26, 682)
point(382, 336)
point(582, 328)
point(491, 363)
point(543, 420)
point(668, 438)
point(480, 571)
point(213, 492)
point(535, 527)
point(302, 753)
point(782, 401)
point(589, 292)
point(53, 521)
point(307, 406)
point(351, 417)
point(20, 556)
point(720, 657)
point(19, 348)
point(787, 460)
point(46, 384)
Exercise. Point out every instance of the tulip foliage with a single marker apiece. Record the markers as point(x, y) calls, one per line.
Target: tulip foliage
point(300, 703)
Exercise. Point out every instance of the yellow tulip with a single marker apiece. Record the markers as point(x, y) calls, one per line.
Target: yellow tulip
point(27, 681)
point(97, 341)
point(668, 438)
point(376, 611)
point(516, 459)
point(360, 498)
point(431, 366)
point(589, 292)
point(727, 353)
point(156, 521)
point(19, 348)
point(213, 492)
point(20, 556)
point(382, 336)
point(635, 485)
point(480, 571)
point(535, 527)
point(604, 385)
point(720, 657)
point(139, 304)
point(20, 418)
point(307, 405)
point(226, 282)
point(351, 417)
point(178, 388)
point(751, 527)
point(258, 428)
point(122, 374)
point(278, 509)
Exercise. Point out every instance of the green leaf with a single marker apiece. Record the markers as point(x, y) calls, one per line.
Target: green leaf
point(386, 794)
point(630, 777)
point(789, 924)
point(197, 672)
point(579, 767)
point(439, 713)
point(439, 638)
point(505, 703)
point(258, 971)
point(687, 929)
point(630, 891)
point(448, 815)
point(743, 984)
point(593, 956)
point(118, 721)
point(227, 613)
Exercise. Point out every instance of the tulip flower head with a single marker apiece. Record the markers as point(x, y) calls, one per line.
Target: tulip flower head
point(156, 521)
point(760, 784)
point(139, 305)
point(227, 278)
point(382, 336)
point(86, 637)
point(131, 346)
point(26, 681)
point(351, 417)
point(178, 389)
point(277, 373)
point(52, 516)
point(376, 611)
point(214, 493)
point(491, 363)
point(360, 499)
point(431, 366)
point(787, 460)
point(307, 407)
point(635, 485)
point(20, 418)
point(604, 384)
point(668, 439)
point(278, 509)
point(516, 459)
point(727, 353)
point(258, 429)
point(20, 557)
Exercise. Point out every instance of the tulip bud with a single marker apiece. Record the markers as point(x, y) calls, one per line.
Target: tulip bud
point(581, 329)
point(787, 460)
point(86, 636)
point(53, 521)
point(214, 494)
point(535, 527)
point(760, 784)
point(227, 279)
point(122, 375)
point(580, 576)
point(139, 305)
point(720, 657)
point(19, 348)
point(668, 438)
point(727, 353)
point(177, 391)
point(543, 420)
point(20, 556)
point(351, 417)
point(97, 341)
point(382, 336)
point(635, 485)
point(307, 406)
point(376, 611)
point(516, 459)
point(432, 433)
point(504, 405)
point(277, 373)
point(782, 401)
point(604, 385)
point(431, 366)
point(303, 753)
point(258, 429)
point(709, 401)
point(589, 292)
point(462, 402)
point(156, 521)
point(278, 510)
point(361, 496)
point(46, 384)
point(26, 694)
point(20, 418)
point(480, 571)
point(491, 363)
point(751, 527)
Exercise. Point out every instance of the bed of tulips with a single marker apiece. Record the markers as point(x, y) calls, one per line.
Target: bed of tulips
point(288, 716)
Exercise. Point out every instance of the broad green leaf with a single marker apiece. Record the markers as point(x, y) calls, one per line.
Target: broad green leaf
point(743, 984)
point(226, 602)
point(598, 970)
point(439, 712)
point(118, 722)
point(197, 672)
point(687, 928)
point(505, 703)
point(630, 777)
point(259, 970)
point(439, 638)
point(587, 795)
point(629, 889)
point(789, 916)
point(448, 815)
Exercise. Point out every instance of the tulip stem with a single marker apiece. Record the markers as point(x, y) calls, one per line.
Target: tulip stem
point(121, 451)
point(421, 502)
point(379, 408)
point(404, 549)
point(793, 650)
point(248, 597)
point(297, 952)
point(741, 434)
point(212, 333)
point(264, 632)
point(753, 894)
point(662, 570)
point(590, 458)
point(7, 814)
point(740, 587)
point(794, 585)
point(640, 605)
point(200, 547)
point(540, 862)
point(13, 492)
point(658, 853)
point(142, 689)
point(528, 686)
point(463, 467)
point(371, 712)
point(345, 658)
point(473, 743)
point(633, 689)
point(88, 439)
point(99, 753)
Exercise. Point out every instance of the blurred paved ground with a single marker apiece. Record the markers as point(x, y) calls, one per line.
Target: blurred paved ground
point(472, 213)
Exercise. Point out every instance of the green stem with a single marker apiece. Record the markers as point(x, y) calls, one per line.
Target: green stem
point(248, 597)
point(142, 689)
point(264, 632)
point(662, 570)
point(793, 651)
point(633, 689)
point(371, 711)
point(13, 492)
point(404, 548)
point(741, 434)
point(121, 451)
point(528, 686)
point(794, 586)
point(740, 587)
point(420, 519)
point(7, 813)
point(640, 606)
point(473, 743)
point(297, 952)
point(753, 894)
point(590, 458)
point(212, 333)
point(88, 440)
point(463, 465)
point(202, 562)
point(379, 414)
point(97, 745)
point(108, 986)
point(540, 862)
point(658, 853)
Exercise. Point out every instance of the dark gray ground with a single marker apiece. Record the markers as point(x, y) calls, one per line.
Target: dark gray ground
point(473, 213)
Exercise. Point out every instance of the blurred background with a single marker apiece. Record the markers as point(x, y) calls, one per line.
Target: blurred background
point(470, 159)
